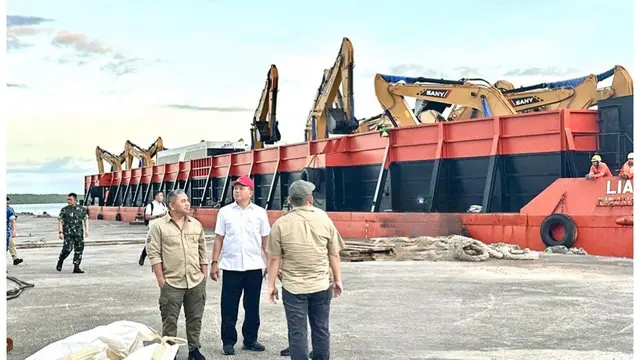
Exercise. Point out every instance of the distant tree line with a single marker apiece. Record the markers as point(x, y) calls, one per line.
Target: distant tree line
point(20, 199)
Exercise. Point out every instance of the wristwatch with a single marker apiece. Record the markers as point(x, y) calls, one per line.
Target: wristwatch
point(214, 262)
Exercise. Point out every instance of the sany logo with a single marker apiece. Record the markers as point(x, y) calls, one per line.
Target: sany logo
point(435, 93)
point(621, 187)
point(524, 101)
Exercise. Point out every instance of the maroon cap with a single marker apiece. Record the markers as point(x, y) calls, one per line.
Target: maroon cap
point(244, 180)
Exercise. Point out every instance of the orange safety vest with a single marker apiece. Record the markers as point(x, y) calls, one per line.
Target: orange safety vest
point(602, 170)
point(627, 170)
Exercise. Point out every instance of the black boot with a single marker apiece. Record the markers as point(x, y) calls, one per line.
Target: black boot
point(286, 352)
point(59, 266)
point(76, 269)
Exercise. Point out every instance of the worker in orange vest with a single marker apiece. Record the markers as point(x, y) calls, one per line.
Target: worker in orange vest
point(626, 173)
point(598, 168)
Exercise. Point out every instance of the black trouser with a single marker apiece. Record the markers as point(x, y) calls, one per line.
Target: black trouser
point(234, 283)
point(316, 306)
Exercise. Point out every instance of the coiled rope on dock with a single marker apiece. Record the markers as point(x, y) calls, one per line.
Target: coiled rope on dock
point(15, 292)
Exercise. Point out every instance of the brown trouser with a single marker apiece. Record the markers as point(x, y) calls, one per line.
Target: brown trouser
point(171, 301)
point(12, 248)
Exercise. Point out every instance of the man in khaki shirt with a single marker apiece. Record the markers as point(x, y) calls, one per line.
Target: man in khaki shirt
point(178, 255)
point(304, 244)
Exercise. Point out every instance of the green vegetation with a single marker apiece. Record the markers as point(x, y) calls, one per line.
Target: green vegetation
point(18, 199)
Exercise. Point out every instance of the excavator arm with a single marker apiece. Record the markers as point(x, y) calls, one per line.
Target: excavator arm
point(437, 95)
point(324, 118)
point(576, 93)
point(115, 161)
point(132, 150)
point(622, 84)
point(156, 147)
point(264, 129)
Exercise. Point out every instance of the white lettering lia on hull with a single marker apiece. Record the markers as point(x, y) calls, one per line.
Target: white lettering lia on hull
point(619, 187)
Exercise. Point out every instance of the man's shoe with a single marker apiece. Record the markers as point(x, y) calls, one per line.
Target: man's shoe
point(17, 261)
point(76, 270)
point(228, 350)
point(196, 355)
point(59, 265)
point(254, 346)
point(286, 352)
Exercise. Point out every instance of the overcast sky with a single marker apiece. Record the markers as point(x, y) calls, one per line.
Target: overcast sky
point(87, 73)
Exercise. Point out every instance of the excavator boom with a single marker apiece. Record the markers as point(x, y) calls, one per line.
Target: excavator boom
point(115, 161)
point(324, 119)
point(145, 156)
point(437, 94)
point(576, 93)
point(264, 128)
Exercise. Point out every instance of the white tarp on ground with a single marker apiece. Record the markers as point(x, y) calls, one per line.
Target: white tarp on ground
point(120, 340)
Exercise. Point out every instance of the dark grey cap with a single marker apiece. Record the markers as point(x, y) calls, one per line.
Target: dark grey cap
point(301, 189)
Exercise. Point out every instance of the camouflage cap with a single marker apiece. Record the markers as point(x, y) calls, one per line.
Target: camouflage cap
point(301, 189)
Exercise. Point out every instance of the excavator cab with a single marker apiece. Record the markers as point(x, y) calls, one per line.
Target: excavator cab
point(337, 122)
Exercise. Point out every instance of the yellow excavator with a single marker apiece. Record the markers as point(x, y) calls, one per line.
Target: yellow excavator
point(264, 128)
point(622, 84)
point(579, 93)
point(571, 94)
point(435, 95)
point(332, 111)
point(132, 150)
point(115, 161)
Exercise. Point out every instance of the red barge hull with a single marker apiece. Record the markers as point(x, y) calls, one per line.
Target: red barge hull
point(522, 170)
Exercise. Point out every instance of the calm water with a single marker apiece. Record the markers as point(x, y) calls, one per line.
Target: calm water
point(38, 209)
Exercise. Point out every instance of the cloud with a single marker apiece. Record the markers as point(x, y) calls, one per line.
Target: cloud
point(536, 71)
point(58, 175)
point(21, 20)
point(81, 43)
point(19, 27)
point(85, 50)
point(120, 66)
point(206, 108)
point(82, 49)
point(56, 166)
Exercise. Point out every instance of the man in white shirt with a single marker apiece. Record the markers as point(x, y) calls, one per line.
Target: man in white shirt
point(152, 212)
point(242, 230)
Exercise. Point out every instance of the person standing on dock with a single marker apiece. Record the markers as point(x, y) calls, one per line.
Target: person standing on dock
point(178, 255)
point(305, 245)
point(11, 233)
point(152, 212)
point(73, 228)
point(242, 229)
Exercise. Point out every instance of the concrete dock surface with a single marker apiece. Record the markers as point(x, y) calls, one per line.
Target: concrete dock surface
point(556, 307)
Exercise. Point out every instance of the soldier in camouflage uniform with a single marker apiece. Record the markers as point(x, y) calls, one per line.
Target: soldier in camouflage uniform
point(73, 227)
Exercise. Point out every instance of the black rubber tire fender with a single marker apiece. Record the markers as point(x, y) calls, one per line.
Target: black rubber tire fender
point(311, 175)
point(569, 226)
